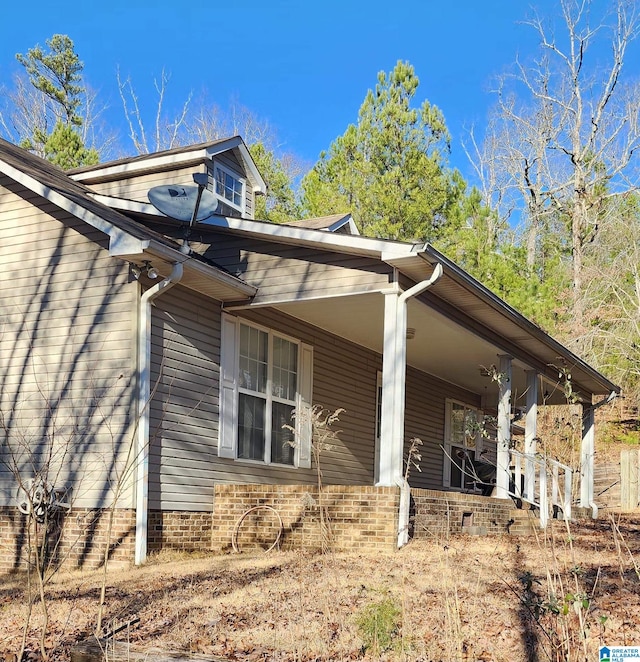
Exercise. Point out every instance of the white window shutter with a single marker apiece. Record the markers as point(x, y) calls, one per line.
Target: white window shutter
point(228, 425)
point(304, 429)
point(446, 461)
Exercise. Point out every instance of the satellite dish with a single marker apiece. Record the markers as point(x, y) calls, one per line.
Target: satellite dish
point(178, 201)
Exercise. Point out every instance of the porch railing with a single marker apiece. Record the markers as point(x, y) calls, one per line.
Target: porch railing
point(530, 478)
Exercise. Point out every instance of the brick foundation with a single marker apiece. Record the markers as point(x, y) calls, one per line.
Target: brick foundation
point(443, 513)
point(360, 517)
point(77, 538)
point(185, 531)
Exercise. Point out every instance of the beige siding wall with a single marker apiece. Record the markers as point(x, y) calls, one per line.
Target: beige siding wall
point(184, 460)
point(284, 272)
point(424, 418)
point(136, 188)
point(66, 351)
point(184, 413)
point(184, 426)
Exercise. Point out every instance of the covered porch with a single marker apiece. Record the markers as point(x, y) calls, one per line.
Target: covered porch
point(434, 319)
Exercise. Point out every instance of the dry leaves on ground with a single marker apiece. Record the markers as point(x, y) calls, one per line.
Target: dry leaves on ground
point(462, 598)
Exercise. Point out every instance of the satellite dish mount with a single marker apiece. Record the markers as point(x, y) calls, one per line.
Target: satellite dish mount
point(188, 204)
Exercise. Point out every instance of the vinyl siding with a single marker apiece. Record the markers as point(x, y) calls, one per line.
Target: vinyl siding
point(136, 188)
point(184, 427)
point(288, 273)
point(425, 418)
point(66, 350)
point(184, 462)
point(185, 354)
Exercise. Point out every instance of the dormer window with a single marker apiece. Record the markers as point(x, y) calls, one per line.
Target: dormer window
point(229, 187)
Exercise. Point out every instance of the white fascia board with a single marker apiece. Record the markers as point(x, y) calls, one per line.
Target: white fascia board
point(258, 183)
point(119, 240)
point(136, 167)
point(432, 255)
point(200, 268)
point(166, 161)
point(159, 161)
point(345, 220)
point(344, 243)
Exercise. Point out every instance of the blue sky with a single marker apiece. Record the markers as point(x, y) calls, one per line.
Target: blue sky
point(304, 66)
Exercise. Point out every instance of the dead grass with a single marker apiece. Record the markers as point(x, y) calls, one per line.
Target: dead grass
point(459, 599)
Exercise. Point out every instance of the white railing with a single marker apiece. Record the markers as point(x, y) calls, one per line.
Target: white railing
point(530, 482)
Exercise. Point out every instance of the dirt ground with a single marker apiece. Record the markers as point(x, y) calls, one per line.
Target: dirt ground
point(501, 599)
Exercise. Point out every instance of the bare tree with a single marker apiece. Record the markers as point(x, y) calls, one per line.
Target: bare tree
point(164, 132)
point(24, 113)
point(565, 130)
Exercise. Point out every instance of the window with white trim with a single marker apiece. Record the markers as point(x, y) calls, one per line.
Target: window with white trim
point(265, 378)
point(462, 445)
point(229, 187)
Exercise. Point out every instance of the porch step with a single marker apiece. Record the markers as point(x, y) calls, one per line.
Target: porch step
point(523, 522)
point(473, 530)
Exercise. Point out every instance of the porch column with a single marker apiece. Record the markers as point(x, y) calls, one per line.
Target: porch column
point(504, 427)
point(530, 434)
point(587, 452)
point(393, 372)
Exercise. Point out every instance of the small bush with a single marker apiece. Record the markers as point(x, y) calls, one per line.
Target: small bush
point(378, 625)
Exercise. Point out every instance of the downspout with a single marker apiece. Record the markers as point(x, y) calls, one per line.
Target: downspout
point(144, 401)
point(398, 438)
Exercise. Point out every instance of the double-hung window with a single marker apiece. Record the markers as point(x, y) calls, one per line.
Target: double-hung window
point(229, 187)
point(265, 380)
point(462, 445)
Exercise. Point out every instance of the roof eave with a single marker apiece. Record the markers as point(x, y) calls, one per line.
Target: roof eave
point(167, 160)
point(433, 256)
point(123, 244)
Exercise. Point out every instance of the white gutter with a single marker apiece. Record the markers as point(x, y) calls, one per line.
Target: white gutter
point(144, 402)
point(400, 387)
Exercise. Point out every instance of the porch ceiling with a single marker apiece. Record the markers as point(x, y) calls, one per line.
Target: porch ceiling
point(440, 347)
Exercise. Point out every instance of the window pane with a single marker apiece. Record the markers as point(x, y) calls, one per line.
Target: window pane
point(228, 187)
point(285, 369)
point(251, 414)
point(471, 428)
point(253, 359)
point(457, 423)
point(456, 468)
point(281, 451)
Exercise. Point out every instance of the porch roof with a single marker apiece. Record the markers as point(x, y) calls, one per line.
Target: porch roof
point(461, 326)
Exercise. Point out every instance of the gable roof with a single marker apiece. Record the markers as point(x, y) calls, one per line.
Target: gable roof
point(170, 159)
point(127, 238)
point(333, 223)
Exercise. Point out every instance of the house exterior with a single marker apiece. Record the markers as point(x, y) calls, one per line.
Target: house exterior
point(151, 369)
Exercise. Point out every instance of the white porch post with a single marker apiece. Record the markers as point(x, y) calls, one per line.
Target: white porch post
point(504, 428)
point(530, 434)
point(587, 452)
point(392, 414)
